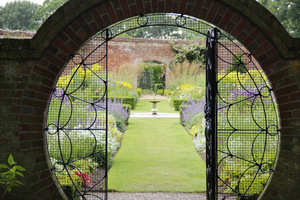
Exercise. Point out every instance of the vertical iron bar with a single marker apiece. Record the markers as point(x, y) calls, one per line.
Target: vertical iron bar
point(211, 116)
point(106, 117)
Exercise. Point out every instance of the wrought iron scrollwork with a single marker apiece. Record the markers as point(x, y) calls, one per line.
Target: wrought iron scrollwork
point(75, 116)
point(247, 125)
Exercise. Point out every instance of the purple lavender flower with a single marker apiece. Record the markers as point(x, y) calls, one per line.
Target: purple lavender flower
point(60, 93)
point(116, 109)
point(190, 110)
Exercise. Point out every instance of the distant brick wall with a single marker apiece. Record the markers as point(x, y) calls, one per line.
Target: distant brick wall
point(133, 51)
point(16, 34)
point(30, 67)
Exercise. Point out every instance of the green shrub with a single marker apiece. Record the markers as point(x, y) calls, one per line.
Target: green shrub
point(159, 92)
point(154, 72)
point(158, 86)
point(165, 91)
point(139, 91)
point(177, 103)
point(127, 107)
point(126, 100)
point(238, 65)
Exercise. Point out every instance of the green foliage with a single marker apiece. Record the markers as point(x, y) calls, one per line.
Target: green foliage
point(161, 32)
point(177, 104)
point(192, 53)
point(16, 15)
point(127, 107)
point(9, 175)
point(139, 91)
point(184, 92)
point(154, 72)
point(238, 64)
point(44, 11)
point(158, 86)
point(287, 12)
point(165, 92)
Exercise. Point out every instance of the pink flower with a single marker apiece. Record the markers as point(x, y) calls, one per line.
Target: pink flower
point(85, 179)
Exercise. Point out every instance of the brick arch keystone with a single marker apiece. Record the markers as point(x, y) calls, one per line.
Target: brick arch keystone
point(78, 20)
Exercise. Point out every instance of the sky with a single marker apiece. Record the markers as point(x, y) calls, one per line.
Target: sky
point(3, 2)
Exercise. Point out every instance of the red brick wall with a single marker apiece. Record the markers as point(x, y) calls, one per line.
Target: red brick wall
point(30, 67)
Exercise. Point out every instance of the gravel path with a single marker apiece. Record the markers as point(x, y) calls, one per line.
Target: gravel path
point(156, 196)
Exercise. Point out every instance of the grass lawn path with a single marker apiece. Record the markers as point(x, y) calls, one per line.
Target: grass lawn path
point(157, 155)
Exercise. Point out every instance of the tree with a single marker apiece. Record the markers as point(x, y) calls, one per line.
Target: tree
point(192, 53)
point(165, 30)
point(44, 11)
point(287, 12)
point(16, 15)
point(238, 64)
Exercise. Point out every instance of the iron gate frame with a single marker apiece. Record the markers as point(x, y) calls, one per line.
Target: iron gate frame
point(193, 24)
point(210, 111)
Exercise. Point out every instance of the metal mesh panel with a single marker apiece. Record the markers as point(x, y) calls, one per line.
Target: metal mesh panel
point(247, 124)
point(77, 125)
point(169, 19)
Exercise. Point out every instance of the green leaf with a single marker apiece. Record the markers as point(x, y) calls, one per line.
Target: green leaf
point(13, 169)
point(6, 173)
point(9, 189)
point(19, 168)
point(2, 166)
point(20, 174)
point(11, 160)
point(18, 182)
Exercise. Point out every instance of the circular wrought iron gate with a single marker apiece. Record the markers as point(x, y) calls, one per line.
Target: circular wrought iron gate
point(77, 131)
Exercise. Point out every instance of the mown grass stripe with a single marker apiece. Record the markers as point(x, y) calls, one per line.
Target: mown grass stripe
point(157, 155)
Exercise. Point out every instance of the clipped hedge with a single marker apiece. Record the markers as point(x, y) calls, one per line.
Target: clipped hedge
point(158, 86)
point(165, 91)
point(177, 103)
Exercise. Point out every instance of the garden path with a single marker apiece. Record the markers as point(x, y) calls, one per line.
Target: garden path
point(157, 159)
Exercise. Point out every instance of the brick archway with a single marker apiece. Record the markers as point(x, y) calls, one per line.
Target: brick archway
point(32, 66)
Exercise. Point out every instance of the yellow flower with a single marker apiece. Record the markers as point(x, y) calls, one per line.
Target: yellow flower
point(96, 67)
point(124, 84)
point(186, 87)
point(63, 81)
